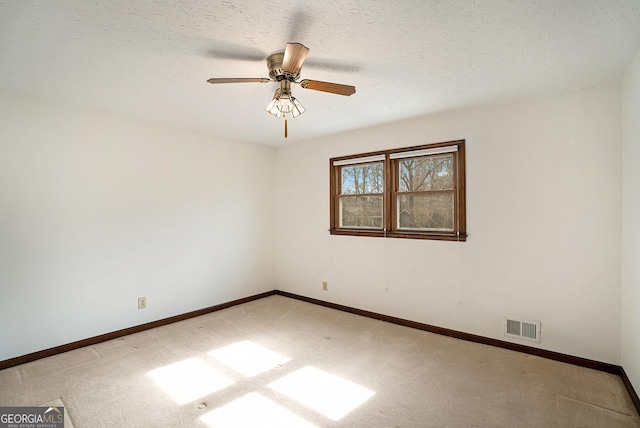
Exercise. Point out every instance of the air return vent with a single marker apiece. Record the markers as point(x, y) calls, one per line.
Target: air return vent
point(522, 329)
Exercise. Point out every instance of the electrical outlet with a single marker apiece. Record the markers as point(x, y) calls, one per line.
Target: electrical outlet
point(142, 302)
point(325, 286)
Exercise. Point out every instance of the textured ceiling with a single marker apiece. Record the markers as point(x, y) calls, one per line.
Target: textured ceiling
point(150, 59)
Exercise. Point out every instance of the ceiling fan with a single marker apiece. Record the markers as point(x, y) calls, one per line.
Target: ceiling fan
point(284, 68)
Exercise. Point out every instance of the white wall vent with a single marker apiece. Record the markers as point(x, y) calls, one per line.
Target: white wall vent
point(522, 329)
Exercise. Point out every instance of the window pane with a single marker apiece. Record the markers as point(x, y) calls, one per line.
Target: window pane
point(429, 211)
point(361, 211)
point(427, 173)
point(359, 179)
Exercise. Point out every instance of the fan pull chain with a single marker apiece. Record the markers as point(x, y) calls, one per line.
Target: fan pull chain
point(285, 128)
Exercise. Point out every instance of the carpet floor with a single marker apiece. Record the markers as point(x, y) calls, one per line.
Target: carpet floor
point(280, 362)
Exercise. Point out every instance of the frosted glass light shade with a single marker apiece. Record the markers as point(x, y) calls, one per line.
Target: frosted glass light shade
point(284, 104)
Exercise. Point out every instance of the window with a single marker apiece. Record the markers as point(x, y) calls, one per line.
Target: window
point(415, 192)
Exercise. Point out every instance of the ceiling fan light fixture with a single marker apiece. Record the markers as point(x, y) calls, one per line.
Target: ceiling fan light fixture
point(284, 103)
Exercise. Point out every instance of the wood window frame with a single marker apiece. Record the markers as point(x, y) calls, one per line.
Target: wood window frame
point(391, 188)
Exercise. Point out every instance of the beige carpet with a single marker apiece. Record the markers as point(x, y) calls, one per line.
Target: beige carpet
point(279, 362)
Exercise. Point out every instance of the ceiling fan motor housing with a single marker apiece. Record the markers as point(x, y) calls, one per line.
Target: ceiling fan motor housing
point(274, 62)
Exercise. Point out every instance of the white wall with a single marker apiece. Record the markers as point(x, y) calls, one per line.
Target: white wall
point(630, 229)
point(543, 217)
point(97, 210)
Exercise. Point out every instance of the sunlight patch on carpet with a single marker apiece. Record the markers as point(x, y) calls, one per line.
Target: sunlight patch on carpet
point(254, 410)
point(248, 358)
point(326, 393)
point(189, 380)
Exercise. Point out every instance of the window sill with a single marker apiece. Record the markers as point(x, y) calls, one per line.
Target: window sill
point(436, 236)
